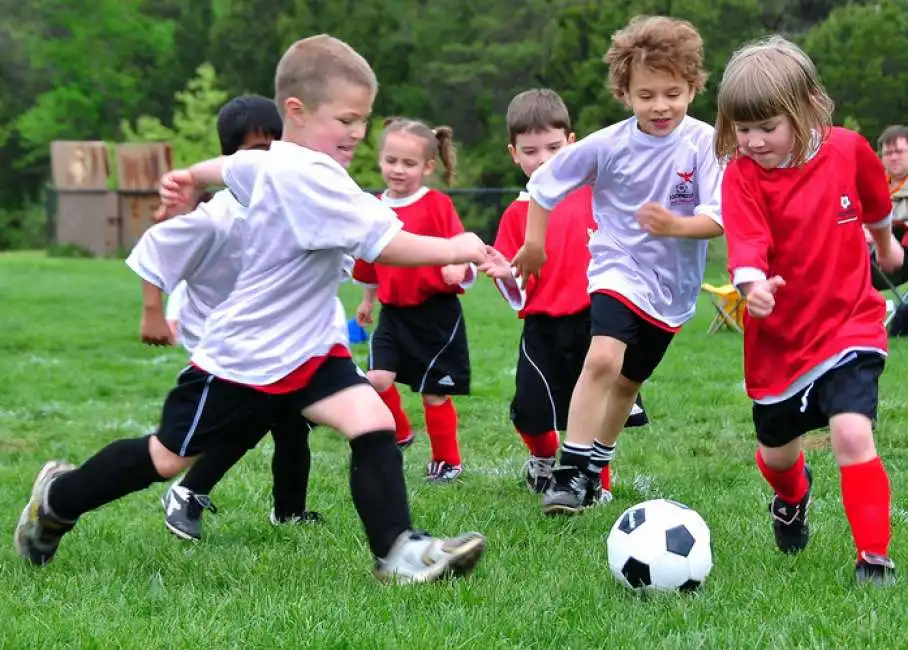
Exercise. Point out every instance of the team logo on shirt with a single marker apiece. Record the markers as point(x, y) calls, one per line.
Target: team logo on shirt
point(682, 194)
point(847, 213)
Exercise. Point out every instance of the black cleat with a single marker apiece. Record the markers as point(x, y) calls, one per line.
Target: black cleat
point(183, 512)
point(789, 520)
point(875, 569)
point(570, 491)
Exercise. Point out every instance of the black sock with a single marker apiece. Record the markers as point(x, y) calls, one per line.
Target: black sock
point(121, 468)
point(378, 489)
point(211, 467)
point(290, 466)
point(575, 455)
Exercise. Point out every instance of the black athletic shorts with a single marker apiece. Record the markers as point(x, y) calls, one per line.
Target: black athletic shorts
point(852, 387)
point(425, 346)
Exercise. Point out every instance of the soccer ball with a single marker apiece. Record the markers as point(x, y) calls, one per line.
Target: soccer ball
point(660, 545)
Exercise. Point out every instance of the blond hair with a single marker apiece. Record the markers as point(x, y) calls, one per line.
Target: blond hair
point(764, 80)
point(311, 65)
point(439, 142)
point(535, 110)
point(656, 43)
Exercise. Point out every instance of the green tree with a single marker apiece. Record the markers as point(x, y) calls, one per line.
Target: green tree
point(194, 134)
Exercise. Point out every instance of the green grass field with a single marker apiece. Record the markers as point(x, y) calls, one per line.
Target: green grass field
point(74, 377)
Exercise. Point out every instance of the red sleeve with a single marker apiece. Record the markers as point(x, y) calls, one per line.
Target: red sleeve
point(364, 273)
point(873, 188)
point(746, 226)
point(510, 233)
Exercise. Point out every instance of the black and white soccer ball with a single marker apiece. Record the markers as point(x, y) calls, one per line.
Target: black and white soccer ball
point(660, 545)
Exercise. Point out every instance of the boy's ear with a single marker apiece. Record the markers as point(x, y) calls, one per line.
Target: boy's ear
point(294, 109)
point(513, 151)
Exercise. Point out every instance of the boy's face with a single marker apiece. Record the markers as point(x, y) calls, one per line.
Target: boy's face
point(336, 126)
point(256, 140)
point(531, 150)
point(658, 98)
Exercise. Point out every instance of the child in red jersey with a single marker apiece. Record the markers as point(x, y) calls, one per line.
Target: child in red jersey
point(814, 343)
point(555, 307)
point(421, 337)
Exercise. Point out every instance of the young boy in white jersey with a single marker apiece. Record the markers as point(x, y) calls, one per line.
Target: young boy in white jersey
point(196, 258)
point(554, 307)
point(274, 343)
point(656, 189)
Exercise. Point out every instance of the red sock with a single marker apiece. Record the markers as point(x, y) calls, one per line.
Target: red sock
point(866, 496)
point(441, 425)
point(542, 446)
point(606, 476)
point(790, 484)
point(402, 428)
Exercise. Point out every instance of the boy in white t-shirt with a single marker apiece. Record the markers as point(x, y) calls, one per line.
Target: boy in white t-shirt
point(274, 343)
point(656, 193)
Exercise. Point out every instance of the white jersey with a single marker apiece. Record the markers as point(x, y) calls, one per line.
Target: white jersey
point(305, 215)
point(661, 276)
point(196, 258)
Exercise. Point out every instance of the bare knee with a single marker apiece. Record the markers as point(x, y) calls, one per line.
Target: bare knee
point(604, 360)
point(166, 463)
point(852, 439)
point(381, 380)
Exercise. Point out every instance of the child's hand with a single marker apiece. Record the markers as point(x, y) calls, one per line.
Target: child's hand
point(468, 248)
point(656, 220)
point(894, 259)
point(364, 313)
point(496, 265)
point(761, 296)
point(178, 194)
point(454, 274)
point(154, 329)
point(529, 260)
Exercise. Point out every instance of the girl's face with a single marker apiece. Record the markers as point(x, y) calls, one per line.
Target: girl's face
point(403, 163)
point(769, 142)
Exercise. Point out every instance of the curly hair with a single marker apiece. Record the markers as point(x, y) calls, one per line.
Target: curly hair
point(657, 43)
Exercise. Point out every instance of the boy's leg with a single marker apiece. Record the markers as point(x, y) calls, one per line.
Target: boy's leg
point(849, 395)
point(339, 398)
point(290, 467)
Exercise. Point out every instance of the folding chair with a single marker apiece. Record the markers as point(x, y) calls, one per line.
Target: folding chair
point(729, 306)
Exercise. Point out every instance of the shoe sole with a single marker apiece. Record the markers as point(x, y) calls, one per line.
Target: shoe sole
point(467, 557)
point(561, 509)
point(34, 501)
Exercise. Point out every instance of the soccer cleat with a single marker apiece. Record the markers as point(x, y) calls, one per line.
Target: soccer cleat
point(406, 442)
point(570, 491)
point(305, 517)
point(875, 569)
point(419, 557)
point(440, 471)
point(637, 417)
point(183, 512)
point(537, 473)
point(38, 532)
point(789, 520)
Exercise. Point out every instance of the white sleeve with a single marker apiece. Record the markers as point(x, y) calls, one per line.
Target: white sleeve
point(240, 172)
point(175, 302)
point(709, 182)
point(575, 165)
point(170, 251)
point(328, 210)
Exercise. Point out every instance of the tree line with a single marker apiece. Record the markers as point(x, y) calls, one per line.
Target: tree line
point(121, 70)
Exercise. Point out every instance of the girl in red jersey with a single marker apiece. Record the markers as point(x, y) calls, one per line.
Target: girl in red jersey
point(814, 340)
point(421, 337)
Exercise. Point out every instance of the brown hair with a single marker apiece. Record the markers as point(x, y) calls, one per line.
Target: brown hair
point(657, 43)
point(439, 142)
point(892, 134)
point(767, 79)
point(537, 110)
point(310, 65)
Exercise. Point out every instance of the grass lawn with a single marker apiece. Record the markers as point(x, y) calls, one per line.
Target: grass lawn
point(75, 377)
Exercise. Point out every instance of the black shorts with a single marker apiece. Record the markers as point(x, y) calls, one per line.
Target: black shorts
point(203, 410)
point(425, 346)
point(552, 351)
point(852, 387)
point(646, 343)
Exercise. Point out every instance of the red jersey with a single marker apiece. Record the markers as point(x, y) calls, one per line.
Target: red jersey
point(805, 225)
point(426, 212)
point(562, 287)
